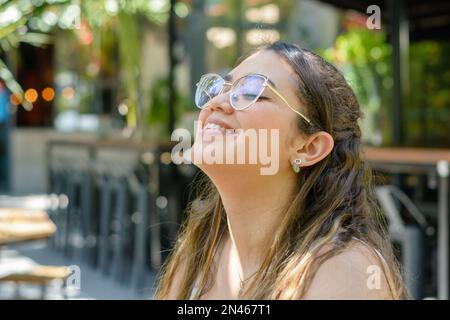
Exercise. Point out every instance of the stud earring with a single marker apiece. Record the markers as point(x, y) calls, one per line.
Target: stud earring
point(296, 165)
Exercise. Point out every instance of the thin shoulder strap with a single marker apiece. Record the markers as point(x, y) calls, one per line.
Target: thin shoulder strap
point(376, 251)
point(197, 280)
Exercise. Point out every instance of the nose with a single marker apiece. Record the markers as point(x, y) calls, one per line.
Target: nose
point(221, 103)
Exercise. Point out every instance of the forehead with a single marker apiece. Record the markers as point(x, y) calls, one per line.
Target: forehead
point(270, 64)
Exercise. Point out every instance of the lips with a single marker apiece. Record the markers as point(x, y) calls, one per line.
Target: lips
point(213, 122)
point(211, 125)
point(216, 124)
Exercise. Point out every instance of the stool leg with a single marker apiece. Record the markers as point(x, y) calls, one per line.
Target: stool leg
point(17, 291)
point(43, 291)
point(64, 290)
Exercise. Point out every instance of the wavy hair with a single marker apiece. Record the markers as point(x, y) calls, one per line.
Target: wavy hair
point(333, 199)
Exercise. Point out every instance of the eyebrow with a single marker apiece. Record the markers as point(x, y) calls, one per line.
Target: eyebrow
point(229, 78)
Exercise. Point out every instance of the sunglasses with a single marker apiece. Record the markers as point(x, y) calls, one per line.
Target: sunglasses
point(244, 92)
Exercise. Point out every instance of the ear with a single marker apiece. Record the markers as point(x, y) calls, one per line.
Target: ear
point(315, 148)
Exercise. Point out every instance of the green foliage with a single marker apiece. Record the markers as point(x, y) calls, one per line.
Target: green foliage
point(363, 56)
point(158, 115)
point(30, 21)
point(129, 51)
point(100, 13)
point(428, 112)
point(13, 31)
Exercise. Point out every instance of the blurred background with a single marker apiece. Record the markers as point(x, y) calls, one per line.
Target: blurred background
point(90, 92)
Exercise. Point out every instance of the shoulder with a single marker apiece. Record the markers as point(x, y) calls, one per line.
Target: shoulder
point(355, 273)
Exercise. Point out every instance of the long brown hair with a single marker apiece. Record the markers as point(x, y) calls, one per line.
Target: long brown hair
point(333, 198)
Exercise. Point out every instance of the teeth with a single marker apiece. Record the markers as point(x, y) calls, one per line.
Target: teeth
point(214, 126)
point(219, 127)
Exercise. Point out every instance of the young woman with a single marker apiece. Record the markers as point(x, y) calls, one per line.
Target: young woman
point(310, 231)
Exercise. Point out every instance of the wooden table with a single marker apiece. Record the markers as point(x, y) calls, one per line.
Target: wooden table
point(20, 225)
point(422, 161)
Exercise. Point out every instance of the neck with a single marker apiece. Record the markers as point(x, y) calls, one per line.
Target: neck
point(254, 211)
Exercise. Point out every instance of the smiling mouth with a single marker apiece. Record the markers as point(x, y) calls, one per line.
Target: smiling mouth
point(216, 127)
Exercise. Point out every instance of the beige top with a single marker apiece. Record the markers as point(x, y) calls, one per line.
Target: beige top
point(195, 288)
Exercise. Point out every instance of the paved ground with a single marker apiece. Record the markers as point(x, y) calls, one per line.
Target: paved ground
point(93, 284)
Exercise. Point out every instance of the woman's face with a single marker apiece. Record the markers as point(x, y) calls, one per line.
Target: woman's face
point(273, 122)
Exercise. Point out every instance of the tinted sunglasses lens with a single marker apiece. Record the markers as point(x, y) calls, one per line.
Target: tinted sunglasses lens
point(208, 87)
point(246, 91)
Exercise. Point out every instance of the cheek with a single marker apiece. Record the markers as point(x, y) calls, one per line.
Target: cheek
point(271, 118)
point(262, 117)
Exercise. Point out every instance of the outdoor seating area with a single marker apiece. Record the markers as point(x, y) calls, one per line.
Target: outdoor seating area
point(416, 229)
point(25, 225)
point(119, 216)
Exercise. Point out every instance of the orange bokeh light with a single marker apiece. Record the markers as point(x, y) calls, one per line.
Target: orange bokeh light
point(15, 100)
point(48, 94)
point(31, 95)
